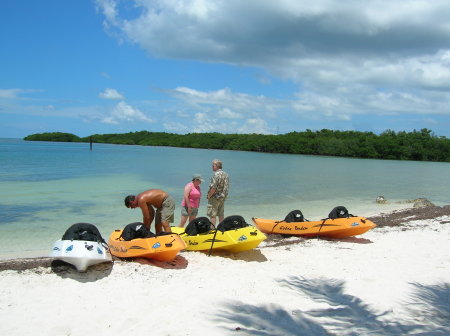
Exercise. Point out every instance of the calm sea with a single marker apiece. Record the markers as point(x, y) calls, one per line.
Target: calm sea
point(45, 187)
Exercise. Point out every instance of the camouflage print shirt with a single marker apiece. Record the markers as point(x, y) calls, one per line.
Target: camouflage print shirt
point(221, 182)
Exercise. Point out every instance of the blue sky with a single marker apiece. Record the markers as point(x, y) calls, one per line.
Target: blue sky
point(230, 66)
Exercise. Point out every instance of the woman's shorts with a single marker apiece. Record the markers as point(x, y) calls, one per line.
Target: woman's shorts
point(194, 212)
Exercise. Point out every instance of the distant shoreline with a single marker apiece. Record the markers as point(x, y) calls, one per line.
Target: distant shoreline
point(421, 145)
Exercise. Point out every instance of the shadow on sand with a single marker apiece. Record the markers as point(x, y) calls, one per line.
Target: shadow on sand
point(250, 255)
point(179, 262)
point(286, 240)
point(428, 313)
point(93, 273)
point(353, 240)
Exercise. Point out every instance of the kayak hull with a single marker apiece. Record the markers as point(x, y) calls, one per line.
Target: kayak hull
point(80, 253)
point(238, 240)
point(162, 248)
point(330, 228)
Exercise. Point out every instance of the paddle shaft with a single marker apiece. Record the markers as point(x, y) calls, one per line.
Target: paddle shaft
point(212, 243)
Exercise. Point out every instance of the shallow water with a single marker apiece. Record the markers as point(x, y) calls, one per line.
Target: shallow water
point(45, 187)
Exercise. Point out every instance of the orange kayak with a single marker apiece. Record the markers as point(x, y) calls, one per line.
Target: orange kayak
point(162, 248)
point(331, 228)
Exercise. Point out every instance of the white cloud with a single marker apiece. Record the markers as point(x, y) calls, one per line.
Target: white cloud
point(204, 123)
point(123, 112)
point(109, 10)
point(111, 94)
point(254, 30)
point(177, 127)
point(226, 103)
point(226, 113)
point(105, 75)
point(15, 93)
point(255, 125)
point(10, 93)
point(341, 54)
point(229, 112)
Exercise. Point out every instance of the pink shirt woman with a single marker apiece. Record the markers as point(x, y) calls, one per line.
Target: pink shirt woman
point(192, 196)
point(191, 200)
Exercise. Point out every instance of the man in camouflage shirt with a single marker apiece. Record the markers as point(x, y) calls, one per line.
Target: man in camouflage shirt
point(217, 193)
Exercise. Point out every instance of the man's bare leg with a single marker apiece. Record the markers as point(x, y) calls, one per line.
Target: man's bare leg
point(166, 226)
point(158, 227)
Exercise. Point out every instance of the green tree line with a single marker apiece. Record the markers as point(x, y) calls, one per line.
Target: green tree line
point(421, 145)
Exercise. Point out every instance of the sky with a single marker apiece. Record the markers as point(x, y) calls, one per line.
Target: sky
point(230, 66)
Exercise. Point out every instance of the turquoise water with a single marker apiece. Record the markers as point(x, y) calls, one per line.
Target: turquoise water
point(45, 187)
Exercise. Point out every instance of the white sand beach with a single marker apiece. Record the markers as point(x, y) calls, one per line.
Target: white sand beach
point(389, 281)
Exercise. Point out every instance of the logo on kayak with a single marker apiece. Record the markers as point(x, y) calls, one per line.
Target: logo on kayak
point(297, 228)
point(355, 224)
point(119, 249)
point(99, 251)
point(156, 245)
point(242, 238)
point(70, 248)
point(56, 248)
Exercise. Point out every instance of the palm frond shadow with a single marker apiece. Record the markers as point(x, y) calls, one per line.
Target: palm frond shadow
point(346, 313)
point(343, 314)
point(268, 320)
point(429, 306)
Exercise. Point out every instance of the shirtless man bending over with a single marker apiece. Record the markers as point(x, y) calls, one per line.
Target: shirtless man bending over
point(147, 201)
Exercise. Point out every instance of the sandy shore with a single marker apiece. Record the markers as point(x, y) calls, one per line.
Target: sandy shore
point(393, 280)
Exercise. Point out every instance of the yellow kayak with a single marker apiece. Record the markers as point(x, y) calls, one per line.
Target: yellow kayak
point(237, 240)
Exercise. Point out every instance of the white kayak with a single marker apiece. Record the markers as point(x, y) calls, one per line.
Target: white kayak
point(80, 253)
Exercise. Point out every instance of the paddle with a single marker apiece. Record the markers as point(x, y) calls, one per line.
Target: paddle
point(170, 244)
point(323, 222)
point(276, 223)
point(212, 243)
